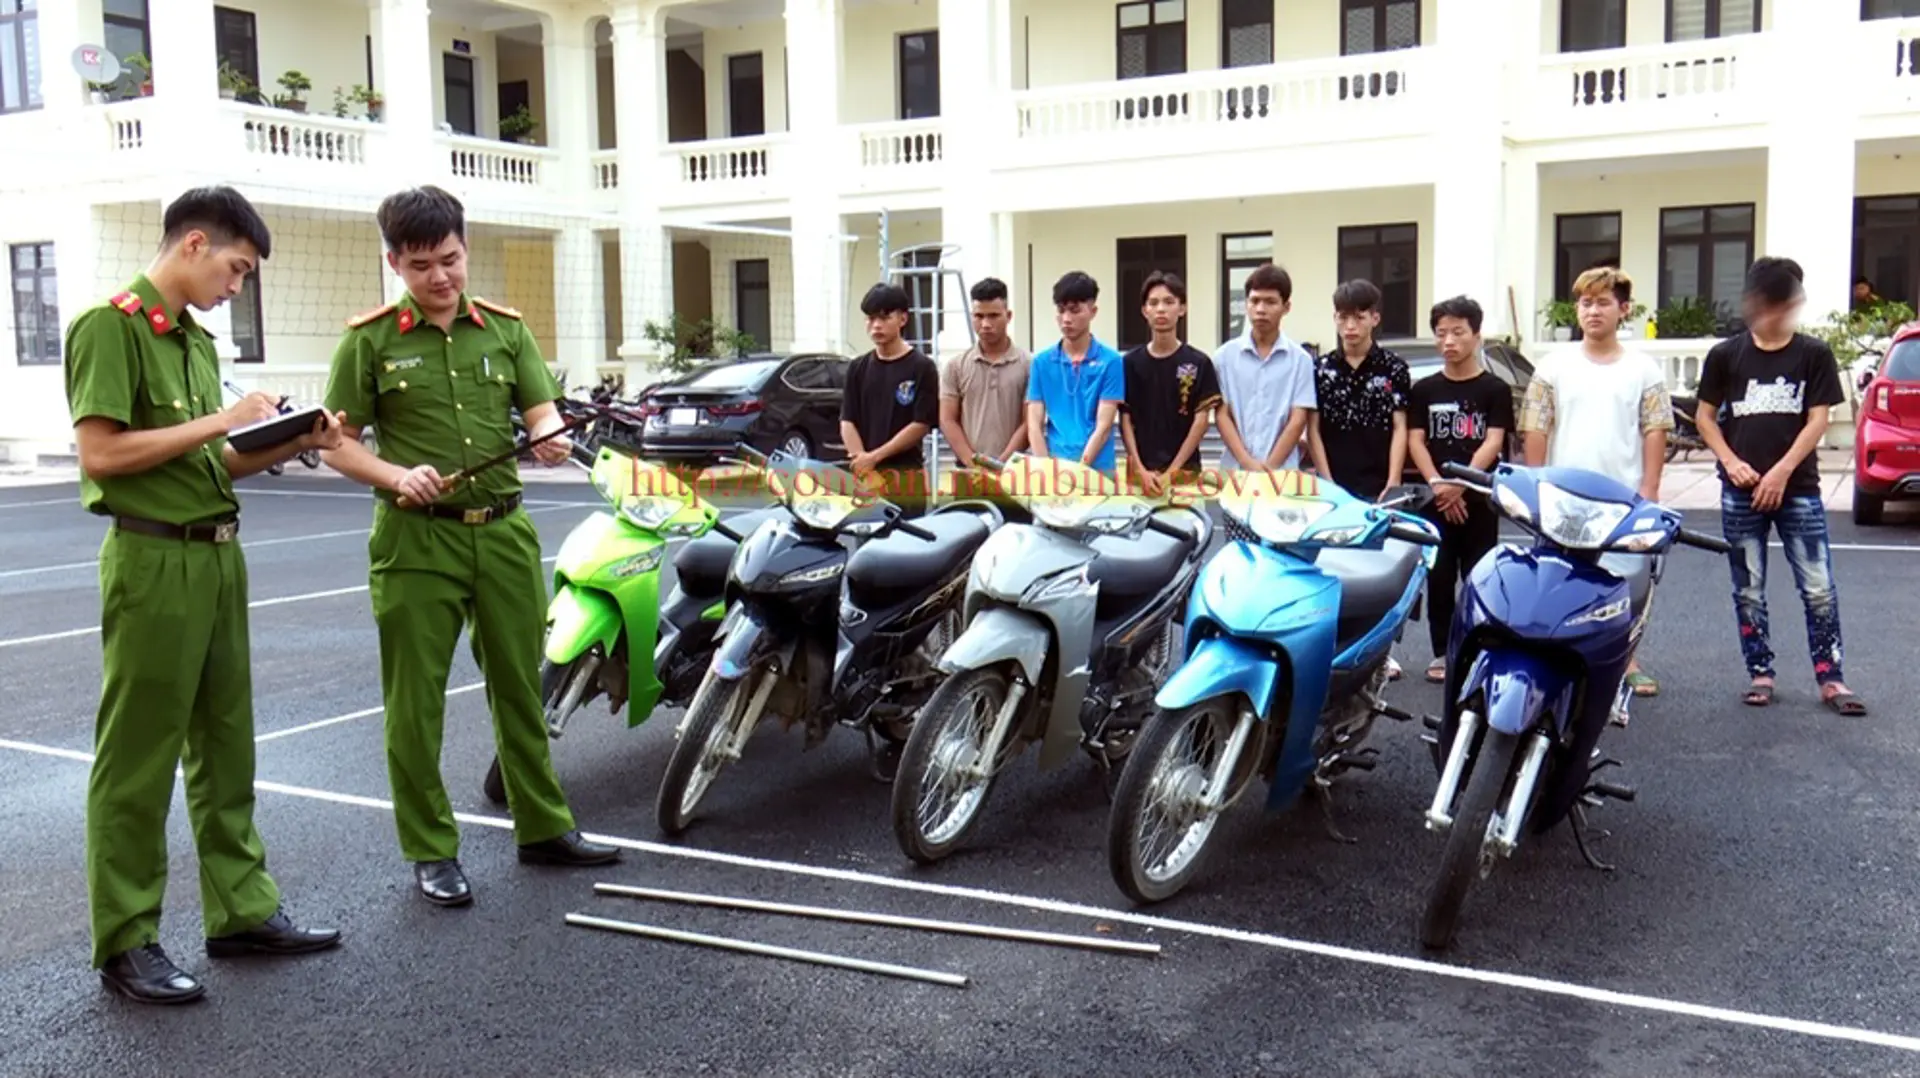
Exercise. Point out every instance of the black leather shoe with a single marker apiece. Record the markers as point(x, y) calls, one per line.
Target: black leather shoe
point(147, 975)
point(276, 935)
point(568, 849)
point(443, 883)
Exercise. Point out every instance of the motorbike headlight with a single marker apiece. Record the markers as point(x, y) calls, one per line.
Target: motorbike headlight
point(1278, 520)
point(1576, 522)
point(649, 513)
point(823, 511)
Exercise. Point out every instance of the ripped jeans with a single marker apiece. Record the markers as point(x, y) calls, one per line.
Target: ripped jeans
point(1801, 521)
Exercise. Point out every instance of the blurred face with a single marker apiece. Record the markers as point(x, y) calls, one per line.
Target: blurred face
point(215, 273)
point(990, 322)
point(1862, 290)
point(1600, 313)
point(1163, 309)
point(1356, 327)
point(884, 329)
point(1458, 342)
point(1074, 317)
point(1774, 319)
point(1264, 311)
point(434, 276)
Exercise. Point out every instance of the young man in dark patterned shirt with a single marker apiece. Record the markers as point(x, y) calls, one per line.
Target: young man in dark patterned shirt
point(1358, 437)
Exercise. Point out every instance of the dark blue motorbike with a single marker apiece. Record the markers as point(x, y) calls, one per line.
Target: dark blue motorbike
point(1536, 661)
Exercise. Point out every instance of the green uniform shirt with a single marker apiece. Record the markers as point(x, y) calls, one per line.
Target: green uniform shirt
point(131, 360)
point(443, 399)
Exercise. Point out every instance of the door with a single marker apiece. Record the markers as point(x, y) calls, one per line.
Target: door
point(462, 105)
point(746, 96)
point(1135, 259)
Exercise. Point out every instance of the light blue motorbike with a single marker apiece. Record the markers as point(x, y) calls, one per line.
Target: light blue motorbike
point(1287, 637)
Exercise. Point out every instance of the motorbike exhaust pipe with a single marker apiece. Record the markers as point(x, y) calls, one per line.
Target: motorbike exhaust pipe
point(888, 920)
point(1439, 816)
point(911, 973)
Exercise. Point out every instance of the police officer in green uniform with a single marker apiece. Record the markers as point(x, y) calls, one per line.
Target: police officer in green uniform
point(143, 387)
point(437, 375)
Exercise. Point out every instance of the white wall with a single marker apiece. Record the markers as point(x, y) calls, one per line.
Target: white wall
point(769, 39)
point(870, 64)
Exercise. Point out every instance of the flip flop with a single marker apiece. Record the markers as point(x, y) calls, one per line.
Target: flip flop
point(1845, 703)
point(1758, 696)
point(1642, 683)
point(1437, 671)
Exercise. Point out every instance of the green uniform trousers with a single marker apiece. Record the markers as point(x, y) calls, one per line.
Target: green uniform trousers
point(176, 686)
point(429, 576)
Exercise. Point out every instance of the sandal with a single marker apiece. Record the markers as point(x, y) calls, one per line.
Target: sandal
point(1845, 703)
point(1437, 671)
point(1642, 683)
point(1758, 695)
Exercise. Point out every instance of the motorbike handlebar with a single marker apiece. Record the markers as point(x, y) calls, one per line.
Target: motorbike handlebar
point(915, 530)
point(1705, 542)
point(1155, 524)
point(1470, 475)
point(1407, 533)
point(992, 464)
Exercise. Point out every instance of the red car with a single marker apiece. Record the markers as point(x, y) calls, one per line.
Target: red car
point(1886, 437)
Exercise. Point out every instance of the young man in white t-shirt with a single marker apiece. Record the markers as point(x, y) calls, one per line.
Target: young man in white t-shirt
point(1601, 407)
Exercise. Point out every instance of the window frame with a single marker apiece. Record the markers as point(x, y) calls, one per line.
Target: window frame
point(16, 22)
point(1715, 29)
point(27, 351)
point(448, 62)
point(1348, 7)
point(1705, 241)
point(1227, 26)
point(1864, 205)
point(256, 326)
point(1122, 33)
point(1230, 263)
point(742, 288)
point(1566, 22)
point(929, 59)
point(736, 100)
point(1388, 328)
point(1165, 252)
point(249, 49)
point(1564, 272)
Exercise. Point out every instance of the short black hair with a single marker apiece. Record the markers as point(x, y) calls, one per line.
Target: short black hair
point(1162, 279)
point(988, 289)
point(1270, 278)
point(1075, 286)
point(420, 217)
point(1775, 281)
point(1356, 297)
point(884, 299)
point(223, 213)
point(1457, 307)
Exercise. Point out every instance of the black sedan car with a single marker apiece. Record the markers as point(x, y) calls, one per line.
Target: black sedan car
point(769, 402)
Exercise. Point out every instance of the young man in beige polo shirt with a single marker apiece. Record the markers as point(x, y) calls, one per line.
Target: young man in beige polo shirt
point(983, 391)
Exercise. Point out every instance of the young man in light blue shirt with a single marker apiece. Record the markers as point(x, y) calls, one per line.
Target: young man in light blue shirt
point(1076, 387)
point(1266, 381)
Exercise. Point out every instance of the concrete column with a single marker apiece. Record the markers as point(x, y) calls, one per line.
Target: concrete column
point(61, 29)
point(821, 304)
point(1811, 150)
point(971, 44)
point(640, 128)
point(571, 119)
point(1468, 152)
point(404, 58)
point(186, 72)
point(1511, 309)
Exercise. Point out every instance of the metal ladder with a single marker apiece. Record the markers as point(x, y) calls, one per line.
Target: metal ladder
point(928, 282)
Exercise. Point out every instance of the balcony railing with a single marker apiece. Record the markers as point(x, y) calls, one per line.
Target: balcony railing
point(1654, 86)
point(1890, 60)
point(899, 144)
point(303, 140)
point(728, 168)
point(606, 170)
point(497, 162)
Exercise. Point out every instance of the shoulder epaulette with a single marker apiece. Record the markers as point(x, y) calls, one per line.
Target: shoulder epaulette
point(126, 303)
point(363, 318)
point(496, 308)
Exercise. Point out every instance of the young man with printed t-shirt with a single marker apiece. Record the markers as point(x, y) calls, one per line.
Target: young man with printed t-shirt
point(1171, 391)
point(1775, 386)
point(891, 402)
point(1076, 387)
point(1358, 436)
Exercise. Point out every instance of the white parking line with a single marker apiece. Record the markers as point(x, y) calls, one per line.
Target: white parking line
point(255, 605)
point(73, 501)
point(361, 714)
point(1546, 986)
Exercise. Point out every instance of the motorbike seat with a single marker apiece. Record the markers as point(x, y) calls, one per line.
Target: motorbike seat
point(700, 565)
point(1371, 582)
point(1128, 570)
point(893, 569)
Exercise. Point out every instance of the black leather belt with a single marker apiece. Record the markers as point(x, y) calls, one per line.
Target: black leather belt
point(485, 514)
point(212, 531)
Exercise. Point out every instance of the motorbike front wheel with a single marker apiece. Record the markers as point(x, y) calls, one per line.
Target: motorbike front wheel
point(936, 802)
point(714, 732)
point(1467, 854)
point(1158, 830)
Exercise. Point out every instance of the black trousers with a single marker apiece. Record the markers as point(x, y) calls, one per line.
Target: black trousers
point(1461, 548)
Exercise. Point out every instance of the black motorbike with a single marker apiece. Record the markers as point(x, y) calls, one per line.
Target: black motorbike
point(836, 614)
point(1685, 436)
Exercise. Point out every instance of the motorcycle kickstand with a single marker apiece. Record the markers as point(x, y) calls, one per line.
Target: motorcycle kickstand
point(1322, 792)
point(1580, 830)
point(877, 753)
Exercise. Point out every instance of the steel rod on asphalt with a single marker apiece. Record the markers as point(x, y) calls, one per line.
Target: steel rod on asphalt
point(952, 980)
point(890, 920)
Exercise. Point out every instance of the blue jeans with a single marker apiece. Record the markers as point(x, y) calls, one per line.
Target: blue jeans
point(1801, 521)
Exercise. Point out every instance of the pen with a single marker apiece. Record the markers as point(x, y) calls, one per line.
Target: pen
point(486, 366)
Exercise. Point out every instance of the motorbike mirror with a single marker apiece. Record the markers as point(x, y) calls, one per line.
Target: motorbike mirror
point(1408, 497)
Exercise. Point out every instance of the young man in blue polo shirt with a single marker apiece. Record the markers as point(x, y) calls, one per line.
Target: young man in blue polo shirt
point(1075, 388)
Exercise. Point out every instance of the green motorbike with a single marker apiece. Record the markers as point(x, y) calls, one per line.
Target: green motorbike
point(607, 631)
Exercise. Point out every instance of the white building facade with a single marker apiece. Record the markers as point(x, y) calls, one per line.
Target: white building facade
point(750, 162)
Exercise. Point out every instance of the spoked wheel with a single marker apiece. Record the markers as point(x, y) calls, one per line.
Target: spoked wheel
point(936, 798)
point(1467, 855)
point(723, 714)
point(1158, 831)
point(562, 690)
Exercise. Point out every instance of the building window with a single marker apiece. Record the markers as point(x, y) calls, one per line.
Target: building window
point(19, 56)
point(1582, 241)
point(124, 29)
point(1152, 39)
point(1886, 246)
point(1389, 256)
point(1704, 254)
point(1889, 9)
point(462, 104)
point(1694, 20)
point(746, 96)
point(920, 75)
point(248, 327)
point(1135, 259)
point(36, 304)
point(753, 301)
point(1586, 25)
point(1378, 25)
point(236, 44)
point(1246, 33)
point(1240, 254)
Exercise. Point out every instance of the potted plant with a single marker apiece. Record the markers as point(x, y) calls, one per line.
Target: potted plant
point(295, 84)
point(97, 91)
point(141, 70)
point(232, 82)
point(519, 126)
point(1634, 314)
point(366, 96)
point(1561, 317)
point(1686, 317)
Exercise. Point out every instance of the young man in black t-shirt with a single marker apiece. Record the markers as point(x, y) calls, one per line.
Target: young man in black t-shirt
point(891, 401)
point(1775, 386)
point(1171, 390)
point(1358, 436)
point(1460, 414)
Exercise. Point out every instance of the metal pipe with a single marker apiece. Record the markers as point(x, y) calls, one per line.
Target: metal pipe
point(952, 980)
point(886, 919)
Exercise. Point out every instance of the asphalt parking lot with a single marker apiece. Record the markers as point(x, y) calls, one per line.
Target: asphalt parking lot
point(1759, 921)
